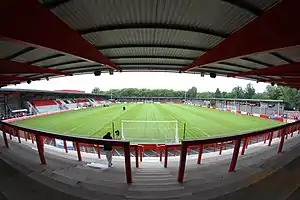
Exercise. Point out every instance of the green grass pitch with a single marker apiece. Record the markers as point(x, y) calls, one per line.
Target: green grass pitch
point(200, 122)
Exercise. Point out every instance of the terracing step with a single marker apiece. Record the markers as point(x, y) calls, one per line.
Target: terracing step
point(154, 182)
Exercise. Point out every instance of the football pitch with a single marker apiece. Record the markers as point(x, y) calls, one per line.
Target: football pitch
point(200, 122)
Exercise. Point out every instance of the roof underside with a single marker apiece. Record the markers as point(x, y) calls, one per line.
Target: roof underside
point(226, 37)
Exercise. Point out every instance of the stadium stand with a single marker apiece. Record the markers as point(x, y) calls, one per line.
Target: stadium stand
point(46, 105)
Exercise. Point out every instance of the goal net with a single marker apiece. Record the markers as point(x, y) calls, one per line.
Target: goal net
point(150, 131)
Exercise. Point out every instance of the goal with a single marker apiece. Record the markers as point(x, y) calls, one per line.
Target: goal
point(138, 131)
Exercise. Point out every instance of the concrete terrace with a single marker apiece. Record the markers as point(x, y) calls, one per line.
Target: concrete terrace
point(260, 174)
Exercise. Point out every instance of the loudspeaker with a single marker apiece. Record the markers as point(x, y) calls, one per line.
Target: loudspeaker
point(97, 73)
point(212, 75)
point(111, 72)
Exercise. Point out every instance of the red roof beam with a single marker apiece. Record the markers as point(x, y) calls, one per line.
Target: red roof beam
point(285, 80)
point(29, 22)
point(13, 78)
point(281, 70)
point(274, 29)
point(13, 67)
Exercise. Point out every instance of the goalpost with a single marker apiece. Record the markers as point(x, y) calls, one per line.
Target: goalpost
point(138, 131)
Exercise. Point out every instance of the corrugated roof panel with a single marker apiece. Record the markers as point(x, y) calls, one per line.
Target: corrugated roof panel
point(226, 67)
point(206, 70)
point(209, 14)
point(153, 36)
point(267, 58)
point(7, 49)
point(57, 60)
point(292, 53)
point(85, 68)
point(35, 54)
point(75, 65)
point(151, 51)
point(262, 4)
point(151, 60)
point(244, 63)
point(141, 66)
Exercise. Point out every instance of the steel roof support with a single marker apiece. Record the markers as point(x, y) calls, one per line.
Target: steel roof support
point(13, 67)
point(36, 26)
point(281, 70)
point(274, 29)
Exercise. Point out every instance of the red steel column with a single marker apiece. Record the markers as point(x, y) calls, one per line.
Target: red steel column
point(281, 141)
point(25, 135)
point(127, 163)
point(235, 155)
point(166, 156)
point(182, 163)
point(78, 151)
point(65, 145)
point(40, 147)
point(200, 154)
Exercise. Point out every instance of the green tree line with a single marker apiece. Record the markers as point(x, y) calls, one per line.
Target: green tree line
point(291, 96)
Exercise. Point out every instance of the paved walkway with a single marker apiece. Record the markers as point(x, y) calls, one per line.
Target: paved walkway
point(259, 173)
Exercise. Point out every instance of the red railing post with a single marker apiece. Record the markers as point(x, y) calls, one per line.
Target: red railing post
point(98, 151)
point(200, 154)
point(127, 163)
point(182, 162)
point(85, 148)
point(4, 137)
point(235, 155)
point(270, 138)
point(18, 134)
point(141, 154)
point(221, 148)
point(215, 147)
point(9, 131)
point(32, 138)
point(280, 147)
point(78, 151)
point(265, 138)
point(136, 148)
point(65, 146)
point(174, 151)
point(160, 153)
point(40, 147)
point(166, 156)
point(244, 146)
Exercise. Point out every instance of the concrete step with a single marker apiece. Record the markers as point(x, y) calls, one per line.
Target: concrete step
point(156, 194)
point(155, 188)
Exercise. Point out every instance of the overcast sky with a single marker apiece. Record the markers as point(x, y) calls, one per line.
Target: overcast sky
point(150, 80)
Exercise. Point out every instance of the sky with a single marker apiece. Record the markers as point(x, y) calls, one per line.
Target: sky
point(150, 80)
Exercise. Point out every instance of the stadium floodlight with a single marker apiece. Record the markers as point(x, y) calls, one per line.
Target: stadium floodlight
point(29, 81)
point(111, 72)
point(272, 83)
point(138, 131)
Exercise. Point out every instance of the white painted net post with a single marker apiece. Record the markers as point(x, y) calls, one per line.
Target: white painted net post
point(122, 129)
point(176, 132)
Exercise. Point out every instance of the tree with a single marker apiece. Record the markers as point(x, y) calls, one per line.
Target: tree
point(274, 92)
point(218, 93)
point(96, 90)
point(192, 93)
point(249, 91)
point(237, 92)
point(263, 95)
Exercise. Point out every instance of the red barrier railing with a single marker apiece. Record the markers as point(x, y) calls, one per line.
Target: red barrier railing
point(39, 135)
point(283, 131)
